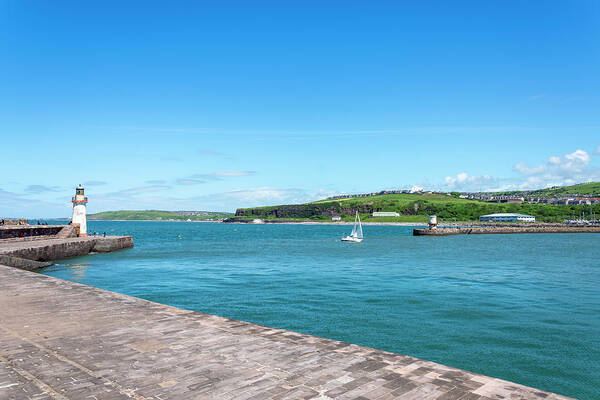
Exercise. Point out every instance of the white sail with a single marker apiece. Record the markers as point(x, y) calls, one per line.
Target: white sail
point(359, 233)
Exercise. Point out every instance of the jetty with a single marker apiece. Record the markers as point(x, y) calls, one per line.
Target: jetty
point(63, 340)
point(481, 230)
point(36, 246)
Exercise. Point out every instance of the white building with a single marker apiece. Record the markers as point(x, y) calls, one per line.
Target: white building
point(507, 217)
point(385, 214)
point(79, 217)
point(336, 218)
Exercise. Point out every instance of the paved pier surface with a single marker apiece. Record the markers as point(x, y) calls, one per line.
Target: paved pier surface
point(62, 340)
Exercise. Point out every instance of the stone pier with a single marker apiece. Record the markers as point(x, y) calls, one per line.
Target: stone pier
point(63, 340)
point(490, 230)
point(41, 249)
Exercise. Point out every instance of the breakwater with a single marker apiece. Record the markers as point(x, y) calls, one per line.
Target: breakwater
point(17, 253)
point(504, 230)
point(64, 340)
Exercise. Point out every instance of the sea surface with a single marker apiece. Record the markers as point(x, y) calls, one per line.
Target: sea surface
point(525, 308)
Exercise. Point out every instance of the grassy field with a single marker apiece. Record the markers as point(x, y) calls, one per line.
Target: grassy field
point(154, 215)
point(414, 208)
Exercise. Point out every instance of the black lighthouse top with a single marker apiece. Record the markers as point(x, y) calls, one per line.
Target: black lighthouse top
point(79, 196)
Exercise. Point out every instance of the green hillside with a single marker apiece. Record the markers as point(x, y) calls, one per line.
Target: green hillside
point(155, 215)
point(412, 208)
point(590, 188)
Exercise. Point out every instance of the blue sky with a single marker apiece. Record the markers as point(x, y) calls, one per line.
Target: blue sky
point(188, 105)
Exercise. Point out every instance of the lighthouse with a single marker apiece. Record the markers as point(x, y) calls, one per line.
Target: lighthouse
point(432, 222)
point(79, 218)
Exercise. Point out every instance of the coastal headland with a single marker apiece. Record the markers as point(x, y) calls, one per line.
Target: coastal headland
point(63, 340)
point(547, 205)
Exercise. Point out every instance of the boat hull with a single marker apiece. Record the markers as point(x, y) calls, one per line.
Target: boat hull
point(351, 239)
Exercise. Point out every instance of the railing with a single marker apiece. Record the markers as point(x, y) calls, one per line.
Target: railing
point(74, 200)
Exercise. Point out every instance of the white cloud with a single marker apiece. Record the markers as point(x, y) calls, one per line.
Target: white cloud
point(41, 189)
point(134, 191)
point(210, 152)
point(152, 198)
point(219, 175)
point(576, 161)
point(264, 195)
point(261, 196)
point(466, 182)
point(94, 183)
point(13, 205)
point(567, 169)
point(564, 167)
point(460, 178)
point(234, 173)
point(554, 160)
point(524, 169)
point(189, 181)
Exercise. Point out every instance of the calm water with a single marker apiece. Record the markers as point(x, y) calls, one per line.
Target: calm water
point(520, 307)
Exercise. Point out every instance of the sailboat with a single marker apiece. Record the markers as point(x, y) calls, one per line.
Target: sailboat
point(357, 233)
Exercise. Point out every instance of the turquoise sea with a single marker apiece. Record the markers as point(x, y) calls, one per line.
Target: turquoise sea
point(525, 308)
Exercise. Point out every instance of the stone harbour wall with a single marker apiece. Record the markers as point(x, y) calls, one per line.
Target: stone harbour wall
point(505, 230)
point(7, 232)
point(57, 249)
point(108, 244)
point(21, 263)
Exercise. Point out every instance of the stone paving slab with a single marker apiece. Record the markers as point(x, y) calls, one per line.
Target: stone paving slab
point(63, 340)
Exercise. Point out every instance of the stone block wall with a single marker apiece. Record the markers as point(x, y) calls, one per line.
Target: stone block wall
point(108, 244)
point(7, 232)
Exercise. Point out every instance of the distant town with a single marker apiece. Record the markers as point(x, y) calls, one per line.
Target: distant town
point(571, 199)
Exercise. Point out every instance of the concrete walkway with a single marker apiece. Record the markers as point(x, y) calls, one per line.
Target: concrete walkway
point(62, 340)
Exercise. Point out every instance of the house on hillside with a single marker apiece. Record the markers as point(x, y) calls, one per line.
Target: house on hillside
point(385, 214)
point(507, 199)
point(507, 217)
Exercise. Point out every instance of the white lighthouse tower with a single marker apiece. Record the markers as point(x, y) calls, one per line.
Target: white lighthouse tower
point(79, 218)
point(433, 222)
